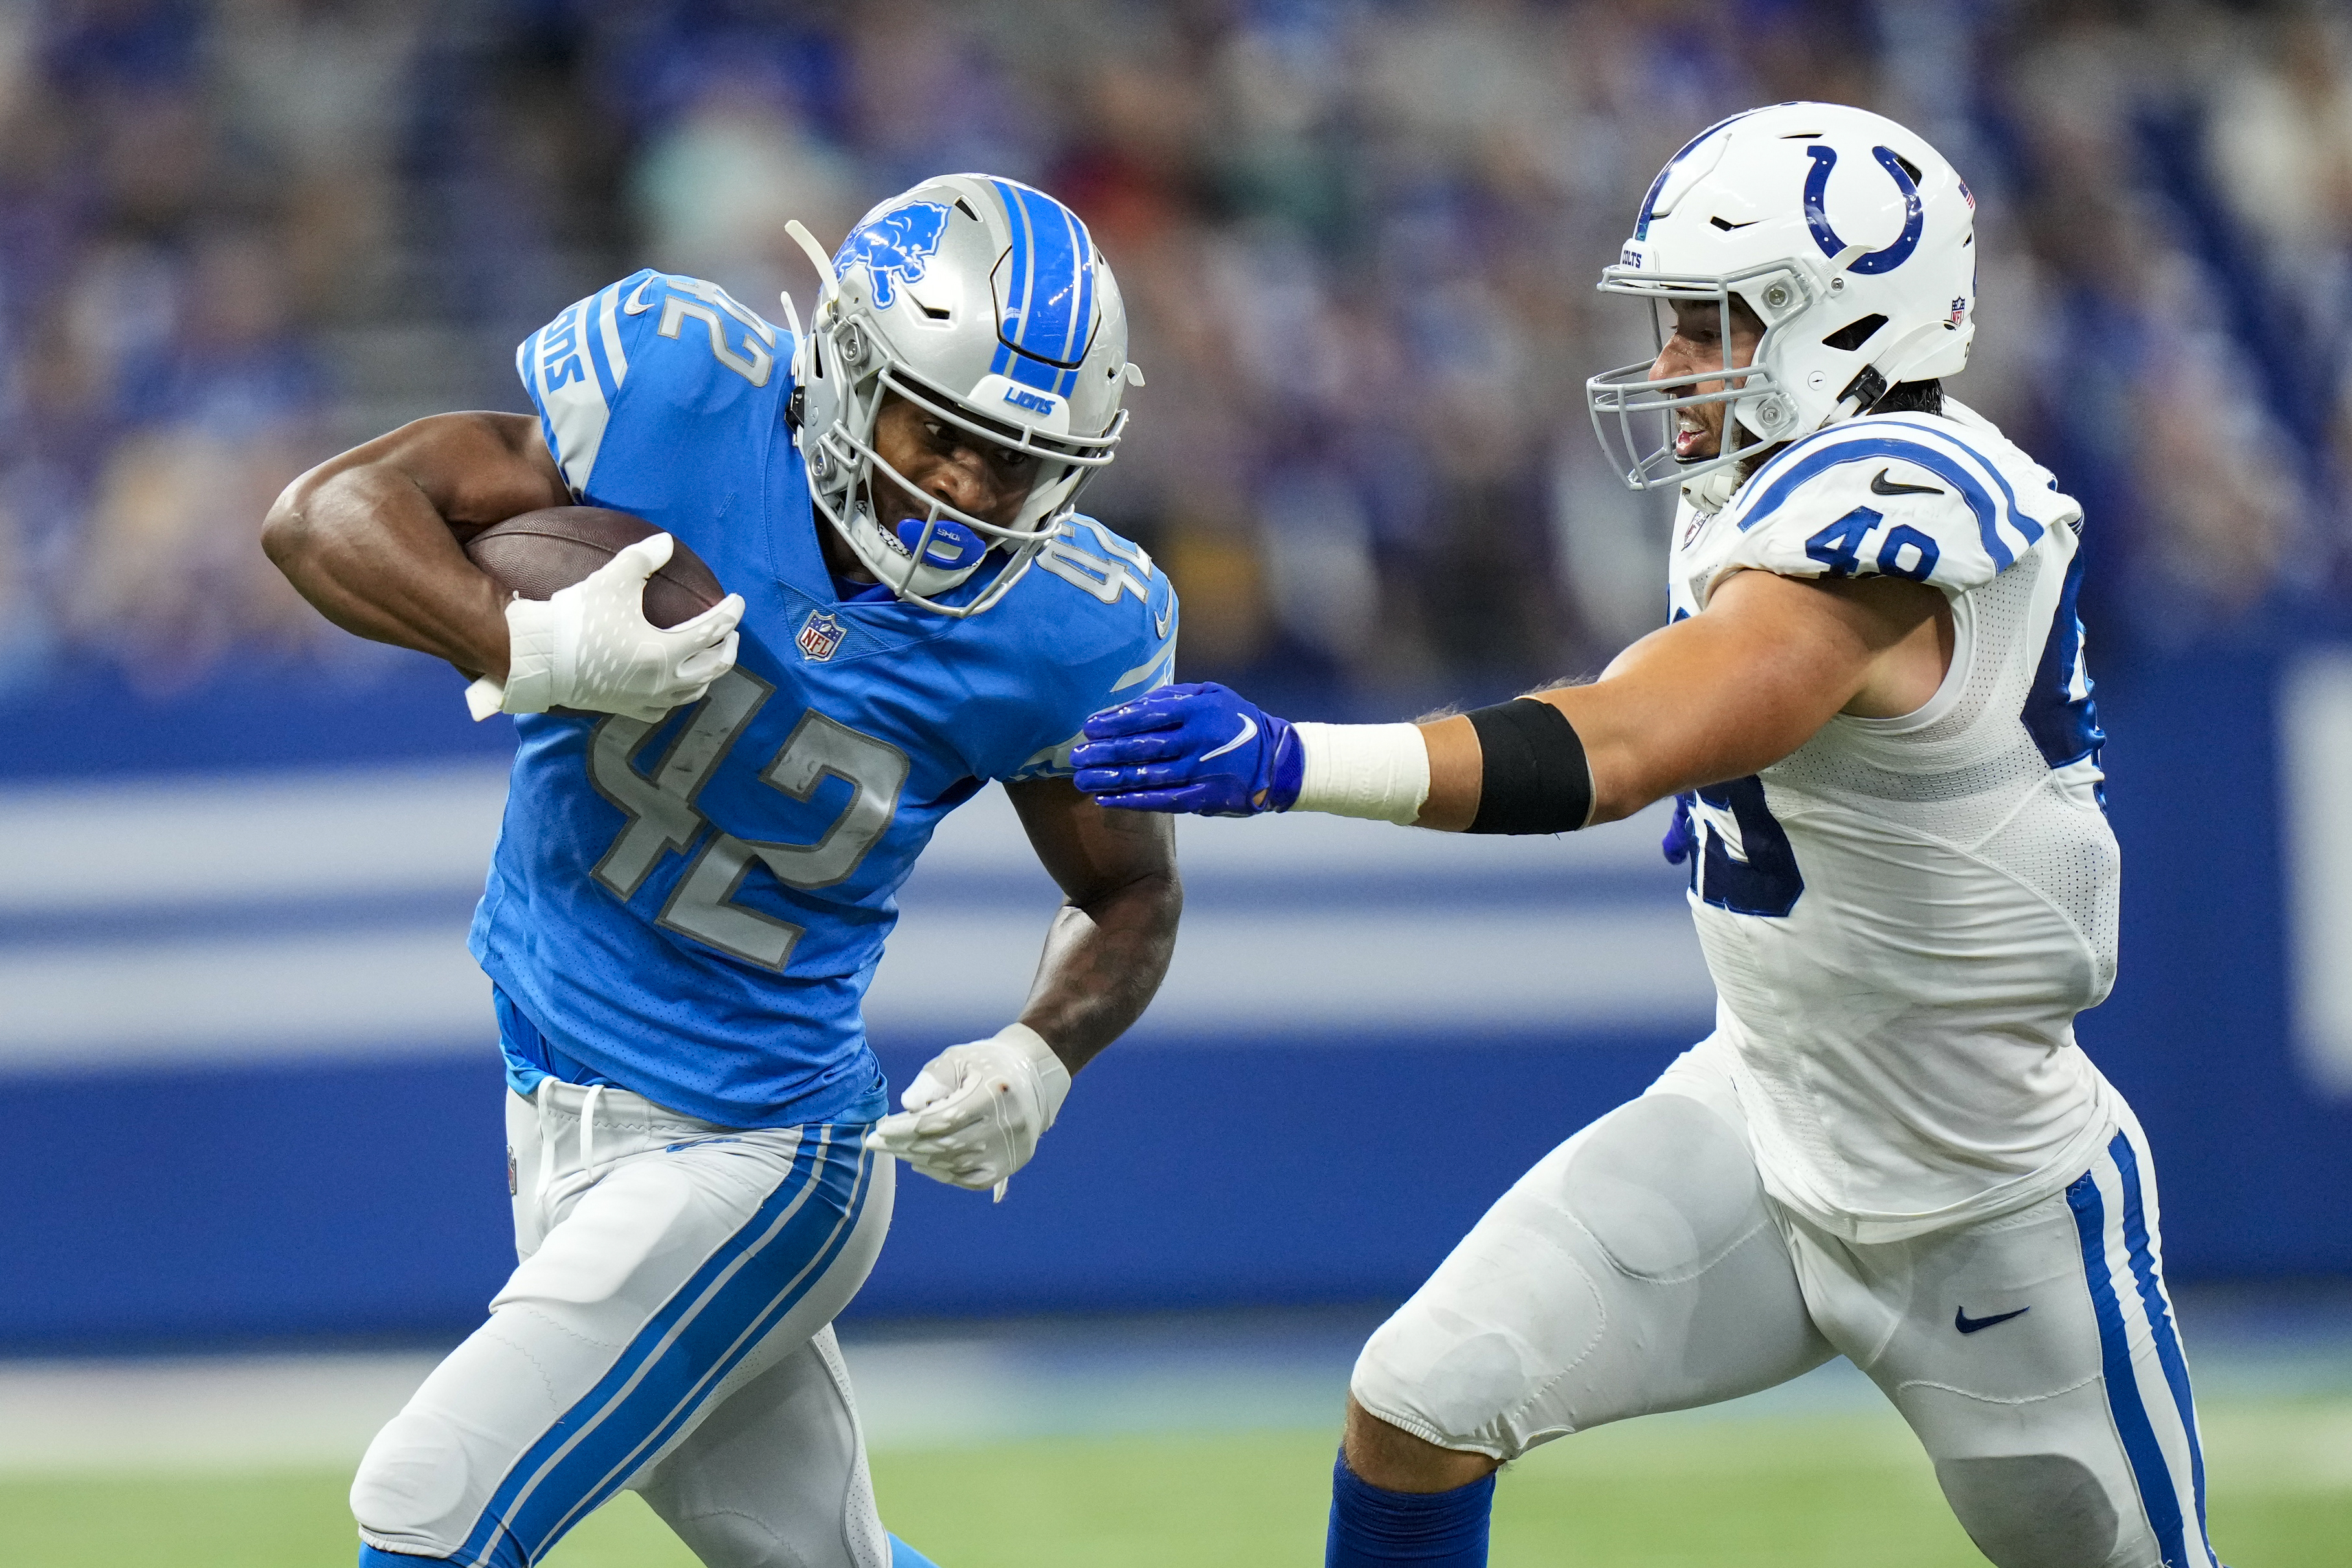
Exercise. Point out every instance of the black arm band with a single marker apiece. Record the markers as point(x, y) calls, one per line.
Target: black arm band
point(1537, 780)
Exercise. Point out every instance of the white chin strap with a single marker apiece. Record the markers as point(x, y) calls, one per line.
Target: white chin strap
point(1713, 491)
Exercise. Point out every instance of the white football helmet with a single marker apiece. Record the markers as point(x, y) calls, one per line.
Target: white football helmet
point(985, 303)
point(1853, 242)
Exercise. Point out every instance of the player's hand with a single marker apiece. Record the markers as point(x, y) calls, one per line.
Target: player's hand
point(590, 645)
point(1201, 748)
point(975, 1113)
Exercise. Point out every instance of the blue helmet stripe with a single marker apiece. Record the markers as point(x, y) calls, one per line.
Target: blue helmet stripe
point(1023, 275)
point(1036, 373)
point(1049, 307)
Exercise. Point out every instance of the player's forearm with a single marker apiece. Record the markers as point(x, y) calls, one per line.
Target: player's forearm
point(1102, 965)
point(1664, 718)
point(369, 550)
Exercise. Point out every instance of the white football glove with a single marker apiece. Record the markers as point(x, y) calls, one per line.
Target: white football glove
point(590, 645)
point(975, 1113)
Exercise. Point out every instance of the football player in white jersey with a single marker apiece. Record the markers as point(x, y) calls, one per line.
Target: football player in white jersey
point(1871, 709)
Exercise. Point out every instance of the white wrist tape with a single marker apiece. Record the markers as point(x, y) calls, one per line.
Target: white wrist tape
point(532, 653)
point(1376, 770)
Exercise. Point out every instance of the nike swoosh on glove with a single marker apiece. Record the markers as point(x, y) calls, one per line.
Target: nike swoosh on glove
point(973, 1115)
point(1201, 748)
point(590, 645)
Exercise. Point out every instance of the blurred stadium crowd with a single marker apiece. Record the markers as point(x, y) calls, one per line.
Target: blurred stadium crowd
point(1357, 237)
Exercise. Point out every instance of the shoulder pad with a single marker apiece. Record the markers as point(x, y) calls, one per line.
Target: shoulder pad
point(1115, 643)
point(1897, 496)
point(649, 327)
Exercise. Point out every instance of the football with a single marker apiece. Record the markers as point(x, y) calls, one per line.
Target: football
point(535, 553)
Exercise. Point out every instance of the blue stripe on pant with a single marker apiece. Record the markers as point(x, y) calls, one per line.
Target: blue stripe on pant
point(665, 1374)
point(2151, 1472)
point(2160, 1315)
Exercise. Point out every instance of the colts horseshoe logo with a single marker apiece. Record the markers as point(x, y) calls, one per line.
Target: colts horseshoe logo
point(1817, 187)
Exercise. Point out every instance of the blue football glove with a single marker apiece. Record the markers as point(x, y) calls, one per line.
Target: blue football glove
point(1201, 748)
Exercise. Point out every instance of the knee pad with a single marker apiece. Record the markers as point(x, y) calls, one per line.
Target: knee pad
point(1460, 1363)
point(2030, 1510)
point(412, 1480)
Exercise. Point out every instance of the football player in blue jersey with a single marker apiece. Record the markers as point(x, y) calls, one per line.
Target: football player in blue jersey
point(708, 825)
point(1872, 706)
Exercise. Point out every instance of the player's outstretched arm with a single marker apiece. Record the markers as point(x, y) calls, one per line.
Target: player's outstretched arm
point(975, 1113)
point(1713, 697)
point(374, 538)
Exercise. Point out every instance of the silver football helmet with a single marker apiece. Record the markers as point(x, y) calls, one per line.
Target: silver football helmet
point(986, 304)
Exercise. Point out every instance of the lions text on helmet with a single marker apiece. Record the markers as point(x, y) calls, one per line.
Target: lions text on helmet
point(984, 306)
point(1824, 253)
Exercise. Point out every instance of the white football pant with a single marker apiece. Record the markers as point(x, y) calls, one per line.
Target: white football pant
point(668, 1331)
point(1640, 1267)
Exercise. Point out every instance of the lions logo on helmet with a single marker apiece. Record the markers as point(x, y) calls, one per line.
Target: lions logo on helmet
point(1851, 241)
point(893, 246)
point(985, 303)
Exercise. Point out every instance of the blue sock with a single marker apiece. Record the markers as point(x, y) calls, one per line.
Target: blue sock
point(370, 1557)
point(905, 1556)
point(1371, 1526)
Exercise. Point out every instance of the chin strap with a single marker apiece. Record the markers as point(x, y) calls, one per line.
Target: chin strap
point(1713, 491)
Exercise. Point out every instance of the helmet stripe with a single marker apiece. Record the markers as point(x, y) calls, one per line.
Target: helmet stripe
point(1016, 304)
point(1050, 307)
point(1642, 224)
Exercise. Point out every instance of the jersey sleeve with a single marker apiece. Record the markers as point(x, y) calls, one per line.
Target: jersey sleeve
point(688, 340)
point(1126, 628)
point(1879, 499)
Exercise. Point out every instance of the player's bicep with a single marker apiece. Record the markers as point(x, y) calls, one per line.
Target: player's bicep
point(474, 468)
point(1722, 694)
point(467, 470)
point(481, 468)
point(1091, 852)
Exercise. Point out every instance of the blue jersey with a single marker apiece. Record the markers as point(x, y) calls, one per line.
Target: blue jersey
point(693, 908)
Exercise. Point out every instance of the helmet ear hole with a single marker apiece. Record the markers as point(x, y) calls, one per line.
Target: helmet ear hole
point(1854, 334)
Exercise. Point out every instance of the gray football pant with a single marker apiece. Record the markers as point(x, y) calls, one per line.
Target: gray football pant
point(1641, 1266)
point(668, 1331)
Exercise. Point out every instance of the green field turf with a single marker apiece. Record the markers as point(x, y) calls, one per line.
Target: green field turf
point(1819, 1491)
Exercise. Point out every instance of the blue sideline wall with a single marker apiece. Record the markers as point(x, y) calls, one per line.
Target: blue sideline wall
point(1336, 1088)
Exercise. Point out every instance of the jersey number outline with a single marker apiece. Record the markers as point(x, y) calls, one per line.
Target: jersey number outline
point(758, 357)
point(665, 817)
point(1128, 570)
point(1763, 879)
point(1839, 547)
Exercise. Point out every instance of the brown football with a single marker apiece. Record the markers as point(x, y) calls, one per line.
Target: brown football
point(538, 552)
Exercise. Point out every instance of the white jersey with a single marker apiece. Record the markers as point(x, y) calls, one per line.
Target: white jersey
point(1903, 916)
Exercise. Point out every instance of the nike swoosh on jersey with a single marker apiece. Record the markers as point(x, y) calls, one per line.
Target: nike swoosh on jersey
point(1880, 486)
point(1159, 619)
point(1249, 730)
point(1968, 1325)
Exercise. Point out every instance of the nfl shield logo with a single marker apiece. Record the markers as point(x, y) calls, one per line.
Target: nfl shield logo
point(820, 635)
